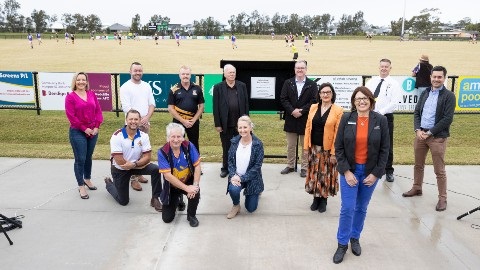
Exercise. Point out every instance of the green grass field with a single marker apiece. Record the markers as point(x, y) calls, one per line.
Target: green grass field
point(25, 134)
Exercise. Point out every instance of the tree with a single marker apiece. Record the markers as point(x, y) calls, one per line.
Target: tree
point(358, 24)
point(135, 27)
point(93, 23)
point(79, 22)
point(13, 20)
point(207, 27)
point(41, 19)
point(427, 22)
point(294, 24)
point(278, 23)
point(326, 21)
point(28, 25)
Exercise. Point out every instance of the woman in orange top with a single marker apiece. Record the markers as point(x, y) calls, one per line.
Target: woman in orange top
point(320, 131)
point(361, 148)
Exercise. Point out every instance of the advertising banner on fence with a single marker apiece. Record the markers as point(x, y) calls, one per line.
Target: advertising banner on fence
point(101, 84)
point(16, 89)
point(209, 80)
point(160, 83)
point(344, 87)
point(468, 94)
point(54, 87)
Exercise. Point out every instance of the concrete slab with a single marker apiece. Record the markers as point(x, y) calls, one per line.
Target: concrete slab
point(61, 231)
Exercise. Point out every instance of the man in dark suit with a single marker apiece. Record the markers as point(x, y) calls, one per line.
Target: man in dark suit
point(230, 101)
point(298, 94)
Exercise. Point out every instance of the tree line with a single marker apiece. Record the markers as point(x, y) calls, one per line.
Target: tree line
point(249, 24)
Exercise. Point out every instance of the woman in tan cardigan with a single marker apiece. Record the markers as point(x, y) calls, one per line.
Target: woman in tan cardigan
point(320, 132)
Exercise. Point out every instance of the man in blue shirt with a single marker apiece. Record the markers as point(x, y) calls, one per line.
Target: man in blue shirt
point(432, 119)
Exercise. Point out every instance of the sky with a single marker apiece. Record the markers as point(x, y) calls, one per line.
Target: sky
point(376, 12)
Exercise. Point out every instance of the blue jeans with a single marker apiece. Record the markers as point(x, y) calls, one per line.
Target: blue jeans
point(251, 201)
point(82, 151)
point(355, 201)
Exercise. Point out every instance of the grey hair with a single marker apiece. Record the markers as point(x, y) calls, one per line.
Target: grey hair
point(227, 66)
point(174, 126)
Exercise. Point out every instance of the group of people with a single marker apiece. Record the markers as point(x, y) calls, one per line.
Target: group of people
point(358, 145)
point(178, 159)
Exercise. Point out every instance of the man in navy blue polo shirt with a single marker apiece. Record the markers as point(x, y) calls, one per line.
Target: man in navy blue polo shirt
point(185, 104)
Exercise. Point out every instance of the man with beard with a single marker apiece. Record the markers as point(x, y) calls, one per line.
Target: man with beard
point(131, 154)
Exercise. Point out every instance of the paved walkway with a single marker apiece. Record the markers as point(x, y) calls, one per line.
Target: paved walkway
point(61, 231)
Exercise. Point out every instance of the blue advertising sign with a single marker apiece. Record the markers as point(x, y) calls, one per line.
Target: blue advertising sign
point(160, 83)
point(16, 89)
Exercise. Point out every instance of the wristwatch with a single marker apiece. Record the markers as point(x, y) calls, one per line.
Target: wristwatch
point(135, 163)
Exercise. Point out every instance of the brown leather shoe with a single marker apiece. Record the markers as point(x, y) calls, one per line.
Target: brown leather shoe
point(142, 179)
point(441, 205)
point(412, 192)
point(155, 203)
point(136, 185)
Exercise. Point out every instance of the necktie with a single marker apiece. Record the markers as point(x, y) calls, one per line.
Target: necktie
point(377, 90)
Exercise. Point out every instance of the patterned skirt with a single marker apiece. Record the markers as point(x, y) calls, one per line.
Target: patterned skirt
point(322, 174)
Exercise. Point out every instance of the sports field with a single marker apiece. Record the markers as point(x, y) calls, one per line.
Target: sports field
point(335, 57)
point(326, 57)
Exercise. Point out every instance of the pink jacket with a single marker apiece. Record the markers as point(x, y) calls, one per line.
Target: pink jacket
point(83, 114)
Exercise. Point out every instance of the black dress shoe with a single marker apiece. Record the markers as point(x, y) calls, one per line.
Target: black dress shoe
point(322, 207)
point(223, 174)
point(90, 187)
point(287, 170)
point(389, 177)
point(193, 221)
point(338, 256)
point(181, 204)
point(355, 245)
point(316, 202)
point(303, 173)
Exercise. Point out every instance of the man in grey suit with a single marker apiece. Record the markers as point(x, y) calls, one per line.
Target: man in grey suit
point(230, 101)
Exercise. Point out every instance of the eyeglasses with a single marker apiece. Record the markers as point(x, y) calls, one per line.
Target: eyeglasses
point(325, 93)
point(300, 68)
point(361, 99)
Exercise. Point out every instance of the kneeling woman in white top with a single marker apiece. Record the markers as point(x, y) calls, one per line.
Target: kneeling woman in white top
point(245, 159)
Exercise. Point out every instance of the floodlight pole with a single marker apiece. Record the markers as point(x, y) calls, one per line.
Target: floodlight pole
point(403, 20)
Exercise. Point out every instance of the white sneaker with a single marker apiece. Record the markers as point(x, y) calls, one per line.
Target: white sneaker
point(235, 210)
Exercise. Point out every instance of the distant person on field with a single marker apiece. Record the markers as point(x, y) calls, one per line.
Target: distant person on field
point(422, 72)
point(294, 50)
point(30, 40)
point(310, 37)
point(67, 37)
point(245, 159)
point(234, 40)
point(177, 38)
point(230, 101)
point(306, 44)
point(72, 36)
point(39, 38)
point(432, 119)
point(85, 116)
point(155, 37)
